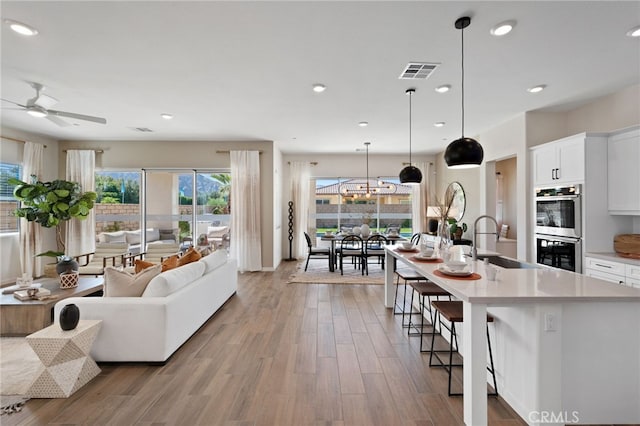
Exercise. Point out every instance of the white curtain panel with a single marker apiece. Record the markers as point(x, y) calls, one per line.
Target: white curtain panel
point(246, 241)
point(300, 192)
point(31, 232)
point(420, 200)
point(81, 234)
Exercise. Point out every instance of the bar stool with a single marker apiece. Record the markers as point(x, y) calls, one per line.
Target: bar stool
point(406, 274)
point(426, 290)
point(452, 312)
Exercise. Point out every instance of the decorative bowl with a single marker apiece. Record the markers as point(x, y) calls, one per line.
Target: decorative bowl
point(407, 245)
point(456, 265)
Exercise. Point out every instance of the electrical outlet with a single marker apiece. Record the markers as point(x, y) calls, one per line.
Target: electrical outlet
point(550, 322)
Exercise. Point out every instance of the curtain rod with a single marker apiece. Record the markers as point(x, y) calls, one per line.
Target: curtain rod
point(97, 151)
point(15, 140)
point(313, 163)
point(229, 152)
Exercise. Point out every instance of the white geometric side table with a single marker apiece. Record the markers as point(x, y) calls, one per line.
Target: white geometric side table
point(67, 365)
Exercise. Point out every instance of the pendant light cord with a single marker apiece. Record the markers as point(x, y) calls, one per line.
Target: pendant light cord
point(410, 95)
point(462, 132)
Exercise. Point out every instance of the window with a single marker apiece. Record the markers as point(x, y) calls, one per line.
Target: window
point(340, 203)
point(118, 202)
point(8, 222)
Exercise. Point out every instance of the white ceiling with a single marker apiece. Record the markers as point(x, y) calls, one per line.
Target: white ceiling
point(244, 70)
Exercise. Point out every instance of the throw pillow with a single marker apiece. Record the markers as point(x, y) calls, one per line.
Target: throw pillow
point(190, 256)
point(119, 283)
point(169, 263)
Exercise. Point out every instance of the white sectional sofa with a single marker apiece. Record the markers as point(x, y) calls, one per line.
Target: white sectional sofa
point(133, 238)
point(174, 305)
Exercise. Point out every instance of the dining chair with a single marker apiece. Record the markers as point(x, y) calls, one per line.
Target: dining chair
point(351, 246)
point(316, 252)
point(374, 247)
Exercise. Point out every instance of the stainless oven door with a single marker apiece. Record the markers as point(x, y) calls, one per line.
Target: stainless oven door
point(559, 216)
point(559, 252)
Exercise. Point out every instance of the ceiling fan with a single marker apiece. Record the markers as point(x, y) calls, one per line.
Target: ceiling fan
point(39, 105)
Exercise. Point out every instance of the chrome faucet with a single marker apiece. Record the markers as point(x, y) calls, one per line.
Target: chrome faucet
point(474, 250)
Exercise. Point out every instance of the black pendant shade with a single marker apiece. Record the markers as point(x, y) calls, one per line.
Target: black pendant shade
point(463, 153)
point(411, 174)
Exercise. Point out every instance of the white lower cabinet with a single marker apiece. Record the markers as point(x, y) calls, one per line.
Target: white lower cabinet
point(614, 272)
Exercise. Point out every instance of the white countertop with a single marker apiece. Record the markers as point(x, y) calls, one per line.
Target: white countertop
point(614, 257)
point(542, 284)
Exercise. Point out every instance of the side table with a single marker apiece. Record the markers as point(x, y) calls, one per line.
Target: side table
point(67, 365)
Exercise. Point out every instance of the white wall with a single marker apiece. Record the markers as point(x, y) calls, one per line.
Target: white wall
point(11, 152)
point(612, 112)
point(279, 206)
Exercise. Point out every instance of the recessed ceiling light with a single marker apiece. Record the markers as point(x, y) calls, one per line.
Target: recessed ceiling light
point(502, 28)
point(439, 124)
point(319, 88)
point(444, 88)
point(363, 124)
point(537, 89)
point(166, 116)
point(634, 32)
point(21, 28)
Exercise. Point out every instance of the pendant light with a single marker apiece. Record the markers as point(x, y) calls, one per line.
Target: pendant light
point(463, 153)
point(410, 175)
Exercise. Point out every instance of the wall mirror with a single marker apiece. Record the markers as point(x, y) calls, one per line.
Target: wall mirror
point(459, 200)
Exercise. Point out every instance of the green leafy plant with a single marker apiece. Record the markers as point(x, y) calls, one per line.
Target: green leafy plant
point(457, 228)
point(52, 203)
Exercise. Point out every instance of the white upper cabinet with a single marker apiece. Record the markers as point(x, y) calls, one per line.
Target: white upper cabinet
point(623, 151)
point(559, 162)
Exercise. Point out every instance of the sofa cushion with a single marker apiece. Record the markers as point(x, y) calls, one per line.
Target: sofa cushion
point(133, 237)
point(167, 264)
point(217, 231)
point(214, 260)
point(191, 255)
point(119, 283)
point(112, 237)
point(173, 280)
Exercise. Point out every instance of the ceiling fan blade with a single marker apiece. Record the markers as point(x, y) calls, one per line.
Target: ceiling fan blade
point(45, 101)
point(15, 103)
point(59, 121)
point(78, 116)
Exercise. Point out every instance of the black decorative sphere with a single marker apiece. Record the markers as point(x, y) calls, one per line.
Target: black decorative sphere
point(410, 174)
point(66, 264)
point(69, 317)
point(464, 153)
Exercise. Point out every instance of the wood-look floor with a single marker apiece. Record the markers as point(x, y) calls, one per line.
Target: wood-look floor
point(277, 354)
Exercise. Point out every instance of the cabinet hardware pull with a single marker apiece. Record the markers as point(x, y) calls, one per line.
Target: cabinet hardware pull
point(603, 266)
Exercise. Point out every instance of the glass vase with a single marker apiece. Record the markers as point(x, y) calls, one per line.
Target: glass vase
point(444, 237)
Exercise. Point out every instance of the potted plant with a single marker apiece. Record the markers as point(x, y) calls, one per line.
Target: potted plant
point(50, 204)
point(457, 229)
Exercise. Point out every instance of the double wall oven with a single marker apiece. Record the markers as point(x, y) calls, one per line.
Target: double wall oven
point(559, 227)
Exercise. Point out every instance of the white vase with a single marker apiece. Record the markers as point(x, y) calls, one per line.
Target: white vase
point(356, 230)
point(364, 230)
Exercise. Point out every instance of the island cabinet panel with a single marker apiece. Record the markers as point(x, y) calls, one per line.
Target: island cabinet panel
point(559, 162)
point(623, 169)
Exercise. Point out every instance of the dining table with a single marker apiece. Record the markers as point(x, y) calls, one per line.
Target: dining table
point(333, 238)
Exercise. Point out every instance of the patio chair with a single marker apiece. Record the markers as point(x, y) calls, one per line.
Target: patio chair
point(106, 254)
point(157, 252)
point(316, 252)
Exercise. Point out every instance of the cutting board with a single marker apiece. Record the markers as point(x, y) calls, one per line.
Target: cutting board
point(627, 245)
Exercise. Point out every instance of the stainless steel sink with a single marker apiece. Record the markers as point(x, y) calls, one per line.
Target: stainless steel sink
point(503, 262)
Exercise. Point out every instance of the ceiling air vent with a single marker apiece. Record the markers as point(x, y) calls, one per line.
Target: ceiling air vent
point(417, 70)
point(142, 129)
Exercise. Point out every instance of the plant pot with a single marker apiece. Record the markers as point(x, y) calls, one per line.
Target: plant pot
point(69, 317)
point(50, 270)
point(69, 279)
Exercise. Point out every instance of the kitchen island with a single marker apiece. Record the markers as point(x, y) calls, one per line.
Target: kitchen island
point(567, 345)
